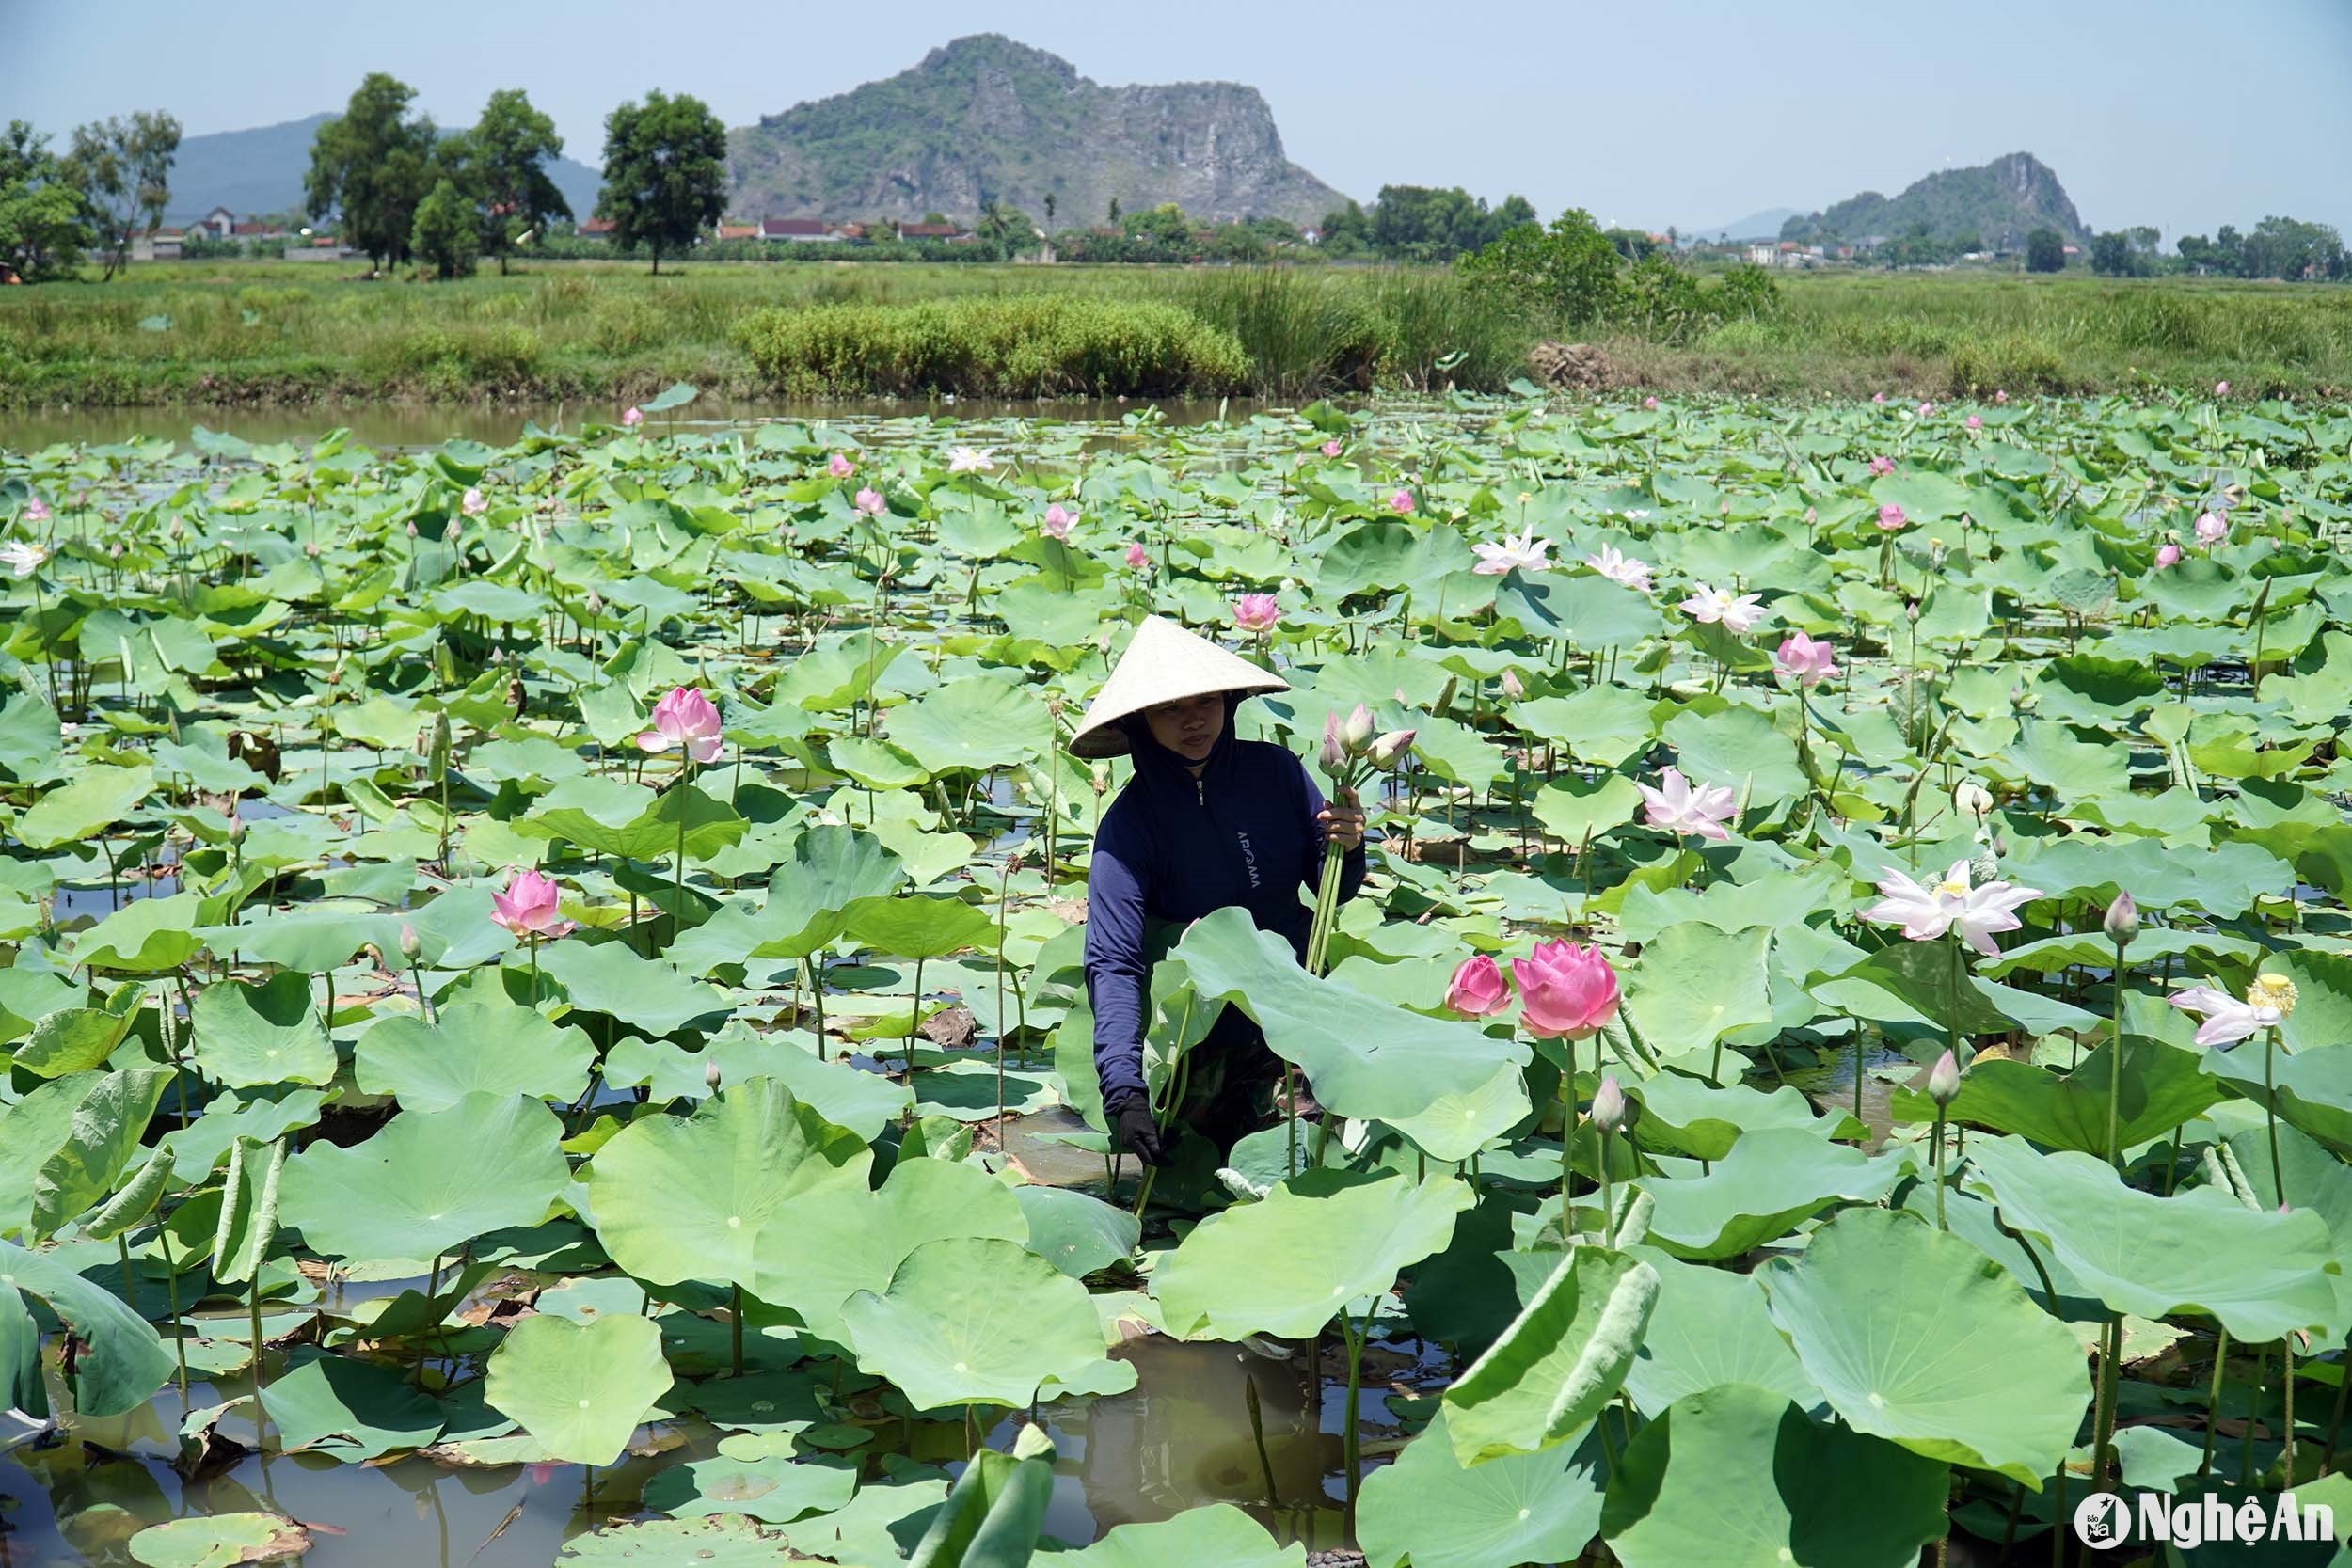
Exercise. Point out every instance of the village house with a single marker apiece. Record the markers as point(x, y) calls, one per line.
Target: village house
point(157, 244)
point(219, 222)
point(912, 231)
point(802, 231)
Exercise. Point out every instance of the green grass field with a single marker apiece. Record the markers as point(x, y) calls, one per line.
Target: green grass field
point(281, 333)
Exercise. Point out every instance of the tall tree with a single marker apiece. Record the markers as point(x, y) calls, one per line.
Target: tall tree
point(123, 171)
point(665, 172)
point(2045, 250)
point(44, 223)
point(374, 164)
point(511, 145)
point(448, 233)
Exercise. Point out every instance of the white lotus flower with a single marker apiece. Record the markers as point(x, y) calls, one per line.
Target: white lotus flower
point(1926, 912)
point(1619, 567)
point(1675, 805)
point(2228, 1020)
point(1736, 613)
point(967, 460)
point(1523, 551)
point(22, 560)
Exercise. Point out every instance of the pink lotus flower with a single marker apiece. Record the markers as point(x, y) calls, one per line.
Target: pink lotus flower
point(2228, 1019)
point(2168, 554)
point(1738, 615)
point(684, 720)
point(1973, 422)
point(1330, 449)
point(1057, 521)
point(1401, 503)
point(1881, 464)
point(1566, 991)
point(841, 467)
point(1478, 988)
point(1805, 660)
point(36, 511)
point(1523, 550)
point(1999, 396)
point(966, 460)
point(1651, 404)
point(1619, 568)
point(1926, 409)
point(870, 502)
point(1926, 912)
point(2212, 527)
point(1138, 557)
point(632, 418)
point(1891, 517)
point(1678, 808)
point(2221, 388)
point(474, 504)
point(1257, 612)
point(526, 907)
point(1878, 396)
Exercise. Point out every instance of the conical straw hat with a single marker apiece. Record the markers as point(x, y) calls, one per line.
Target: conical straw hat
point(1163, 663)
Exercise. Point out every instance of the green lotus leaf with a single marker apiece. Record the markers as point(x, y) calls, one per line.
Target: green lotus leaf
point(917, 927)
point(306, 940)
point(2159, 1087)
point(476, 1047)
point(2260, 1275)
point(774, 1488)
point(610, 818)
point(1914, 1335)
point(609, 977)
point(100, 1117)
point(1429, 1508)
point(1455, 1126)
point(1077, 1233)
point(2092, 949)
point(978, 723)
point(580, 1388)
point(1688, 1116)
point(1215, 1533)
point(1709, 1327)
point(2311, 1089)
point(1694, 985)
point(719, 1540)
point(2223, 882)
point(247, 1226)
point(348, 1409)
point(219, 1541)
point(974, 1320)
point(145, 936)
point(1739, 748)
point(121, 1363)
point(1559, 1361)
point(992, 1514)
point(83, 809)
point(429, 1181)
point(1771, 1181)
point(1290, 1262)
point(832, 1243)
point(1738, 1476)
point(249, 1036)
point(75, 1039)
point(1365, 1058)
point(1591, 611)
point(198, 1149)
point(865, 1102)
point(689, 1198)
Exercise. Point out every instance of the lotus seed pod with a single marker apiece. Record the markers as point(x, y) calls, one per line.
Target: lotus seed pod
point(2272, 990)
point(2123, 921)
point(1985, 866)
point(1102, 779)
point(1609, 1105)
point(1944, 1079)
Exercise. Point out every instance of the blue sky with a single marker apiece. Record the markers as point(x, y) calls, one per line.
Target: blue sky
point(2183, 115)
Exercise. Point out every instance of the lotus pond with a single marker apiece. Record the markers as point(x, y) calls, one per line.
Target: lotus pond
point(1917, 1087)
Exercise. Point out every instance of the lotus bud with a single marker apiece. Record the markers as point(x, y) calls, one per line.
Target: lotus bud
point(1972, 799)
point(1332, 755)
point(1445, 698)
point(412, 530)
point(1388, 753)
point(436, 767)
point(710, 1078)
point(1911, 611)
point(594, 603)
point(1357, 733)
point(1513, 686)
point(311, 550)
point(2123, 921)
point(1609, 1105)
point(1102, 780)
point(2272, 990)
point(236, 827)
point(409, 946)
point(1943, 1080)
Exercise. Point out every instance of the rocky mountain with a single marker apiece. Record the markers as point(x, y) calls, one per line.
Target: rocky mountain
point(1756, 226)
point(260, 170)
point(2000, 203)
point(985, 118)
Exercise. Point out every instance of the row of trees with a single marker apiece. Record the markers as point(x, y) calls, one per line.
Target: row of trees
point(1421, 223)
point(108, 187)
point(1575, 272)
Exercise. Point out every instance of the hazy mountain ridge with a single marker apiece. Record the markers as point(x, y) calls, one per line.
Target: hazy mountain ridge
point(260, 170)
point(984, 118)
point(2000, 203)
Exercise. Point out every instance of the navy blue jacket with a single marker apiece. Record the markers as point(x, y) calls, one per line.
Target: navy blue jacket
point(1172, 848)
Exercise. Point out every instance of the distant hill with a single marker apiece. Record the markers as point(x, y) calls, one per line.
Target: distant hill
point(2000, 203)
point(986, 118)
point(1756, 226)
point(261, 170)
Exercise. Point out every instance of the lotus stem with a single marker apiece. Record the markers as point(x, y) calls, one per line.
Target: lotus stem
point(678, 887)
point(2286, 1352)
point(1608, 1211)
point(1936, 1154)
point(1351, 1444)
point(2270, 1116)
point(180, 1336)
point(735, 1332)
point(2335, 1422)
point(2253, 1412)
point(1257, 1437)
point(2212, 1401)
point(2115, 1068)
point(817, 995)
point(2102, 1406)
point(130, 1289)
point(915, 1018)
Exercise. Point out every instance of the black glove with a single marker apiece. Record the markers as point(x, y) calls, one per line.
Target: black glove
point(1136, 1131)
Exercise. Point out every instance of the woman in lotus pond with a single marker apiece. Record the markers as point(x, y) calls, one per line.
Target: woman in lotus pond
point(1209, 821)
